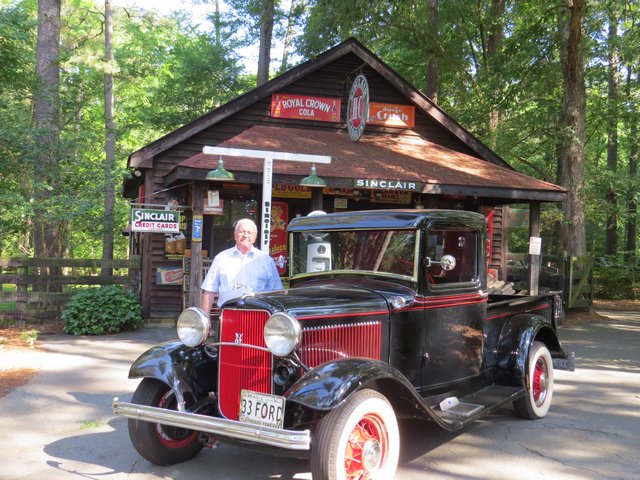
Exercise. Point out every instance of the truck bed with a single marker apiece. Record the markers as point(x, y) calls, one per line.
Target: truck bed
point(545, 305)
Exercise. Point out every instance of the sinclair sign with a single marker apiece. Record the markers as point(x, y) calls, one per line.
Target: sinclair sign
point(159, 221)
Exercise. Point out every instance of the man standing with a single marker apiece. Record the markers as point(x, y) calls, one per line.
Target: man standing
point(239, 269)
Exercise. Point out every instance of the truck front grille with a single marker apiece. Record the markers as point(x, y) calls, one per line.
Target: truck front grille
point(242, 367)
point(322, 344)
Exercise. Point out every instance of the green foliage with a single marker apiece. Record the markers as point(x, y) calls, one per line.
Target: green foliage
point(170, 70)
point(90, 424)
point(99, 311)
point(176, 73)
point(615, 283)
point(17, 45)
point(29, 336)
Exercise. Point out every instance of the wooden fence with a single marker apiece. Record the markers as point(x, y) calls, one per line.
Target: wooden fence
point(578, 282)
point(37, 288)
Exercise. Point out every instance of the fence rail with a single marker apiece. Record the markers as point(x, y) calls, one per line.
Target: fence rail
point(38, 288)
point(579, 282)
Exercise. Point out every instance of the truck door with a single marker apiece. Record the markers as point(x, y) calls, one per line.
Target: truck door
point(455, 306)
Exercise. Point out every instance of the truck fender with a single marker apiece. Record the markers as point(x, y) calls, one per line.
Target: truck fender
point(189, 372)
point(516, 339)
point(328, 385)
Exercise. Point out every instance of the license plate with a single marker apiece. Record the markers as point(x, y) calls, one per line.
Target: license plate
point(261, 409)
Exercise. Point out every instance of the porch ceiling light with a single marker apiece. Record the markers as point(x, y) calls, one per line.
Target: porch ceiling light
point(220, 174)
point(313, 180)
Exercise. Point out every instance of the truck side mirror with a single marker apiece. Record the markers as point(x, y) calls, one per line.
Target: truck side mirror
point(447, 262)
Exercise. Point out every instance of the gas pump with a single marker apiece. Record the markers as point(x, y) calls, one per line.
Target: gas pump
point(318, 255)
point(318, 250)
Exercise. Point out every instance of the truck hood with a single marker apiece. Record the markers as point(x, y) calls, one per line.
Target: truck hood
point(328, 298)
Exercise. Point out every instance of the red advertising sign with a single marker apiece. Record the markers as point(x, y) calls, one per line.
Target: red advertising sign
point(278, 237)
point(392, 115)
point(358, 107)
point(169, 276)
point(303, 107)
point(386, 196)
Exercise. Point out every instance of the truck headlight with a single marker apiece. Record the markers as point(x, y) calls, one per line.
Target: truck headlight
point(282, 334)
point(193, 327)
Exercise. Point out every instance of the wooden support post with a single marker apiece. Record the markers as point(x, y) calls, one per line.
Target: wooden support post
point(195, 279)
point(534, 258)
point(316, 198)
point(146, 274)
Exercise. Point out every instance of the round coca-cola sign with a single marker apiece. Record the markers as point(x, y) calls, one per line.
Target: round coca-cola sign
point(358, 107)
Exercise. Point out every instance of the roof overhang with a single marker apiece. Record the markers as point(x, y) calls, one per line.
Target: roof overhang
point(405, 157)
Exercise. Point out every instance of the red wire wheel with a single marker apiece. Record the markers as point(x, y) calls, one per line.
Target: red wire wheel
point(173, 437)
point(537, 400)
point(357, 441)
point(161, 444)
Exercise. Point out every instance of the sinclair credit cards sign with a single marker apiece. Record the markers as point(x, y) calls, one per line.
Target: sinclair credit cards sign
point(161, 221)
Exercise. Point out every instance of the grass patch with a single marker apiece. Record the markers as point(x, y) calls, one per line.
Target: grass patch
point(29, 336)
point(88, 424)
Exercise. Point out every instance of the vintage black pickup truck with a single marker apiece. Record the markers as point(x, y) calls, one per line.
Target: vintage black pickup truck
point(387, 317)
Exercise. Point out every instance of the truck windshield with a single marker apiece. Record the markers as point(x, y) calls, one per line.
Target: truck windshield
point(380, 251)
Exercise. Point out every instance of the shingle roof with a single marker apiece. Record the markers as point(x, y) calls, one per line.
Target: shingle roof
point(406, 157)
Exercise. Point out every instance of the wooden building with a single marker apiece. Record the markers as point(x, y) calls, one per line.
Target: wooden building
point(410, 154)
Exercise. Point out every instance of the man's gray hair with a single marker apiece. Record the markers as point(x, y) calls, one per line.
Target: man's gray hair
point(245, 221)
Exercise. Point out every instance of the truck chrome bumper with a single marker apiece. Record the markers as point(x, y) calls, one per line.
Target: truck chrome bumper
point(276, 437)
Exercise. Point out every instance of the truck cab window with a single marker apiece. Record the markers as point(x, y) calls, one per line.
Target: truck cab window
point(459, 243)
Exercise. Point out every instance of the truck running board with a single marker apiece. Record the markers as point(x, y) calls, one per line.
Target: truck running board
point(464, 410)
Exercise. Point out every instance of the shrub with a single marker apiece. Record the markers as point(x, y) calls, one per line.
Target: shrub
point(98, 311)
point(615, 283)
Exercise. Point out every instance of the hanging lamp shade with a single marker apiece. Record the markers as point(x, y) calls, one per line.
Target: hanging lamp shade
point(220, 174)
point(313, 180)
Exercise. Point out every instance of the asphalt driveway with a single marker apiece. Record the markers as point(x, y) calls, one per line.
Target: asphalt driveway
point(60, 425)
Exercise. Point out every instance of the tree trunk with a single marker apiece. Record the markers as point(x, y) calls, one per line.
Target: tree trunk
point(288, 37)
point(266, 33)
point(431, 90)
point(217, 23)
point(494, 45)
point(47, 240)
point(632, 207)
point(46, 120)
point(573, 119)
point(611, 196)
point(110, 144)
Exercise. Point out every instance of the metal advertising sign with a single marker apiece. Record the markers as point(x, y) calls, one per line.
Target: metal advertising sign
point(157, 221)
point(278, 243)
point(358, 107)
point(387, 184)
point(213, 204)
point(303, 107)
point(291, 191)
point(402, 197)
point(169, 276)
point(196, 231)
point(392, 115)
